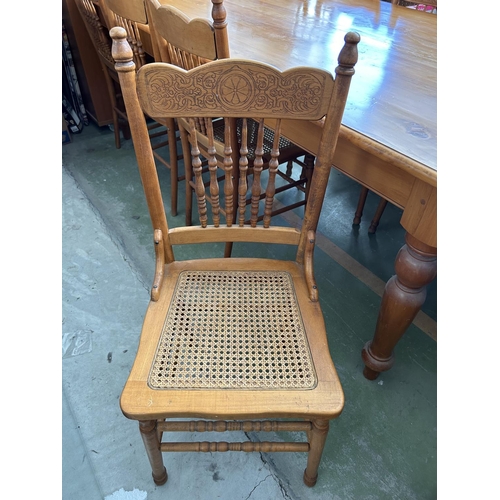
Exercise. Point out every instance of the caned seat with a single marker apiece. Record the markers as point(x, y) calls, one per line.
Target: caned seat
point(189, 43)
point(233, 343)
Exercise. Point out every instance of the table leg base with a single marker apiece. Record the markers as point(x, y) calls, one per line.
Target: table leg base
point(373, 365)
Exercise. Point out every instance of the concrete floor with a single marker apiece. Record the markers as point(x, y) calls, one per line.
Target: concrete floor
point(383, 446)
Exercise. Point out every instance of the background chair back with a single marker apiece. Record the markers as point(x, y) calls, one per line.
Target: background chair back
point(130, 15)
point(188, 42)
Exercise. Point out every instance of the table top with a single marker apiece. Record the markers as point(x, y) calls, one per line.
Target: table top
point(392, 100)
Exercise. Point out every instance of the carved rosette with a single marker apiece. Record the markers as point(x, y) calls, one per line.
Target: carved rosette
point(235, 88)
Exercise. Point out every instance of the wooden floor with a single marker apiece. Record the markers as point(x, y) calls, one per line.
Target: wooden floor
point(383, 446)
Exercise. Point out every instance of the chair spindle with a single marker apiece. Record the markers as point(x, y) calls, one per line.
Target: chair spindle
point(257, 169)
point(197, 170)
point(228, 178)
point(212, 167)
point(243, 187)
point(271, 183)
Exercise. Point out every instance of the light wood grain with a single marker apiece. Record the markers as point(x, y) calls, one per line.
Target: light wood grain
point(393, 97)
point(300, 384)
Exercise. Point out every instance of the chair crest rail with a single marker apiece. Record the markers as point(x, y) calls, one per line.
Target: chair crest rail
point(234, 88)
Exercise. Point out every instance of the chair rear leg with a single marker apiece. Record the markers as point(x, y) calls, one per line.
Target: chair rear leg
point(228, 249)
point(317, 439)
point(114, 104)
point(309, 161)
point(378, 214)
point(174, 172)
point(149, 436)
point(361, 205)
point(188, 172)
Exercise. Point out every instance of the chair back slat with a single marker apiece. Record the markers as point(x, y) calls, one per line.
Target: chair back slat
point(133, 37)
point(129, 14)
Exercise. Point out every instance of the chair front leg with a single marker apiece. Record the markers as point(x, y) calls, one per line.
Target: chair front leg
point(149, 436)
point(317, 439)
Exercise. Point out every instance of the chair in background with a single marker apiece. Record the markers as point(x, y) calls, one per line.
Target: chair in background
point(189, 43)
point(131, 15)
point(364, 191)
point(96, 27)
point(360, 207)
point(237, 342)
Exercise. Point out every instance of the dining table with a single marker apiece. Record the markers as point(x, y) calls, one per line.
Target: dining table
point(388, 137)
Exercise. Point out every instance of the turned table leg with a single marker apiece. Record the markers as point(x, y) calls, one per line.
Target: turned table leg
point(404, 295)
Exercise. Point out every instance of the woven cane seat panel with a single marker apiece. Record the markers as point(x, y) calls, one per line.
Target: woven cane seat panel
point(233, 330)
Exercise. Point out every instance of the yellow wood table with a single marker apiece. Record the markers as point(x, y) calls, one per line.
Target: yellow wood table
point(388, 137)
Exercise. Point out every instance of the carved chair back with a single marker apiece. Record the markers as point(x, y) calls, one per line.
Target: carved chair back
point(95, 21)
point(131, 15)
point(96, 28)
point(185, 42)
point(234, 89)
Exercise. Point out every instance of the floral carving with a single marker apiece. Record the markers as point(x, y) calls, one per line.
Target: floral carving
point(235, 90)
point(238, 87)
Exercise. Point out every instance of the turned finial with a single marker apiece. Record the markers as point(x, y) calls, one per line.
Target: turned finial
point(220, 27)
point(121, 50)
point(218, 14)
point(348, 56)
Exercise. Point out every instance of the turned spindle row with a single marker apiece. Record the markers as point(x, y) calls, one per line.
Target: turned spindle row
point(222, 426)
point(247, 446)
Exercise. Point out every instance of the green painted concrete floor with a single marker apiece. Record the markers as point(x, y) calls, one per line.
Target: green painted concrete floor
point(383, 446)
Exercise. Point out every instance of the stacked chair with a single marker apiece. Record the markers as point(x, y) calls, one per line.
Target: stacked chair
point(131, 15)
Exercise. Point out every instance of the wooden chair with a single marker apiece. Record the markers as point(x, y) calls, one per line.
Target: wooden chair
point(189, 43)
point(96, 27)
point(364, 191)
point(239, 343)
point(131, 15)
